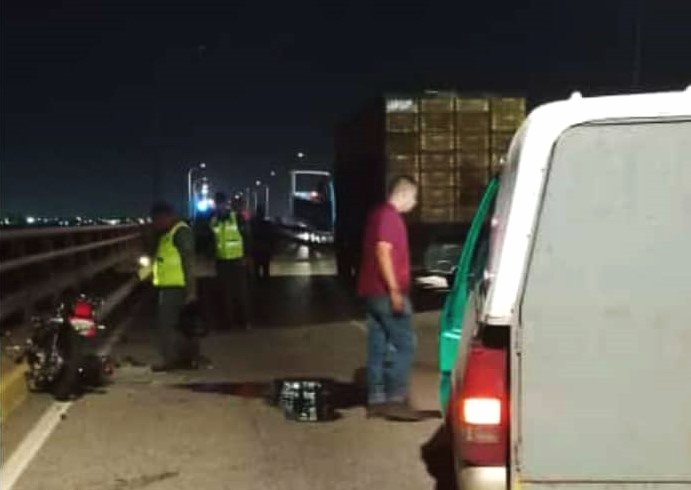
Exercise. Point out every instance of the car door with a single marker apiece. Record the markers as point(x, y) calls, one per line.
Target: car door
point(469, 272)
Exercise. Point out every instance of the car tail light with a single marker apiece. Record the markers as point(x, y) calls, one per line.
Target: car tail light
point(482, 411)
point(482, 407)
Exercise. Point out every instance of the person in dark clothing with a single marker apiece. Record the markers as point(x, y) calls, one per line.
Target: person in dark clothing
point(176, 286)
point(232, 246)
point(262, 244)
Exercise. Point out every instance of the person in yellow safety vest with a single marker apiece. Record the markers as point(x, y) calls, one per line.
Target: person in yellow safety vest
point(176, 287)
point(231, 248)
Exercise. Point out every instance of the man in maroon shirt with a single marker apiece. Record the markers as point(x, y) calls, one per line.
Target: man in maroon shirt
point(385, 283)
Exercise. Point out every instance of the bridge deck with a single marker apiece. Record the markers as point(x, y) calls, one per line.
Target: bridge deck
point(212, 428)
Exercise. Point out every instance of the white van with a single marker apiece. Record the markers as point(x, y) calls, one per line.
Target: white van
point(574, 367)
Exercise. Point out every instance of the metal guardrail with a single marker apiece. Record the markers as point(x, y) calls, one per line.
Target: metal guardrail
point(40, 264)
point(15, 234)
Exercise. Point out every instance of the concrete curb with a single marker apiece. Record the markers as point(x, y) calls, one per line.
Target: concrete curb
point(13, 389)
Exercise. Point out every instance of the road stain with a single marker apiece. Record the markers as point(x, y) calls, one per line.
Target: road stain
point(142, 481)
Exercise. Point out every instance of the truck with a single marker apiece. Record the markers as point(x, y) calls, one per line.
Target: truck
point(571, 305)
point(448, 142)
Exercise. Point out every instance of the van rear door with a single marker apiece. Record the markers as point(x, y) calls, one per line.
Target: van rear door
point(604, 382)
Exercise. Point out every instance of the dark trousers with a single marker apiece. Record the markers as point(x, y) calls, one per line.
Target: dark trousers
point(262, 265)
point(234, 287)
point(174, 345)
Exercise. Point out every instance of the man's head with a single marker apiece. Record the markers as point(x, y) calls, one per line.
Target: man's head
point(403, 193)
point(222, 204)
point(238, 204)
point(163, 216)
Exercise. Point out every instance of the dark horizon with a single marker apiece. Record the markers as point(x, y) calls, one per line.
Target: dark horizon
point(94, 94)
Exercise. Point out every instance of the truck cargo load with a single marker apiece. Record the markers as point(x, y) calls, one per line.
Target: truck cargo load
point(450, 143)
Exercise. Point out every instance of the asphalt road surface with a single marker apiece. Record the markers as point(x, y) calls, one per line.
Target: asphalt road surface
point(213, 429)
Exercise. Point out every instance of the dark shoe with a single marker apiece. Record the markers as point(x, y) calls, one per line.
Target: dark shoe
point(189, 365)
point(160, 368)
point(376, 411)
point(400, 412)
point(204, 362)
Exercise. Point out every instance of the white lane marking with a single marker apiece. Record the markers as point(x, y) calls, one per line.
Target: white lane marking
point(32, 444)
point(27, 450)
point(359, 325)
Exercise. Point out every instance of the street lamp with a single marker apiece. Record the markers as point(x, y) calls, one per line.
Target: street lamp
point(190, 200)
point(272, 174)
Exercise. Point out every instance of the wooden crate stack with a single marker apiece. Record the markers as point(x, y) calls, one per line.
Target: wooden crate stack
point(451, 145)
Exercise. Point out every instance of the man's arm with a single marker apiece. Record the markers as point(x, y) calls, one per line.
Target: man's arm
point(184, 242)
point(386, 268)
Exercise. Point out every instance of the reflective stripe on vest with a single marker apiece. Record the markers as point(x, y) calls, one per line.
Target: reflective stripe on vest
point(168, 271)
point(229, 243)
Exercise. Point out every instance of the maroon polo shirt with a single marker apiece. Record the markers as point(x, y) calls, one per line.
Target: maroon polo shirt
point(384, 224)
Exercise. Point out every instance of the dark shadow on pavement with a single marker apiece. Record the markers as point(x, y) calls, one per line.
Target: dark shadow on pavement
point(438, 457)
point(343, 396)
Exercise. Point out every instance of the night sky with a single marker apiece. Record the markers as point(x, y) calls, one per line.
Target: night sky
point(95, 93)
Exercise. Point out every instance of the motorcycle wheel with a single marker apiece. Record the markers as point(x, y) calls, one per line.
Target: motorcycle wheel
point(68, 383)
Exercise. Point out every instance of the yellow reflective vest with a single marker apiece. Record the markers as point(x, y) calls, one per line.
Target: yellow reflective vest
point(229, 242)
point(168, 270)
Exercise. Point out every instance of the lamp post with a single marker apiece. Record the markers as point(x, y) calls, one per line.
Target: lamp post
point(267, 201)
point(190, 200)
point(258, 184)
point(293, 183)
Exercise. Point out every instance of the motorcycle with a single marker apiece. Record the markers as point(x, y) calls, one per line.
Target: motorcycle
point(61, 351)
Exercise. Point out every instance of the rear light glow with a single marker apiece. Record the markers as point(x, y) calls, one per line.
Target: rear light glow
point(481, 407)
point(84, 326)
point(482, 411)
point(83, 310)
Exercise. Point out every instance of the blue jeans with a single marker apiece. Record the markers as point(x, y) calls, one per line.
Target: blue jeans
point(389, 381)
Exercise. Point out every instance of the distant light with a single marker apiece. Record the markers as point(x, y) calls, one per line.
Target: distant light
point(273, 173)
point(202, 165)
point(203, 205)
point(205, 189)
point(145, 261)
point(141, 221)
point(301, 154)
point(258, 183)
point(30, 220)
